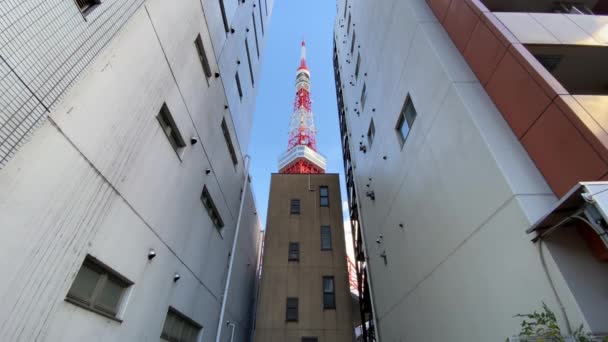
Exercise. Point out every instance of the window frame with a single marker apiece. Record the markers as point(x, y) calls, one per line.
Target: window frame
point(293, 205)
point(202, 56)
point(224, 17)
point(294, 301)
point(331, 295)
point(106, 274)
point(326, 243)
point(212, 211)
point(249, 63)
point(174, 136)
point(238, 85)
point(229, 145)
point(184, 320)
point(322, 197)
point(403, 119)
point(92, 4)
point(293, 253)
point(371, 133)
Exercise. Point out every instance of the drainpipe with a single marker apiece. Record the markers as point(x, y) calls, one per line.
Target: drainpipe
point(232, 252)
point(232, 333)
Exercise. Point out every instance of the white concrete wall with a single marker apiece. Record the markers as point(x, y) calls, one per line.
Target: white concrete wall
point(100, 178)
point(462, 186)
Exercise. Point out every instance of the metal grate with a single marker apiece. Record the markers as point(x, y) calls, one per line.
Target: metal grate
point(42, 52)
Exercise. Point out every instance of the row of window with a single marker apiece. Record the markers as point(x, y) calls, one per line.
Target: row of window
point(294, 207)
point(100, 289)
point(406, 119)
point(294, 247)
point(329, 300)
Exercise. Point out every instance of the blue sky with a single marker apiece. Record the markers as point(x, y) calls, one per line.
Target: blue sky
point(291, 22)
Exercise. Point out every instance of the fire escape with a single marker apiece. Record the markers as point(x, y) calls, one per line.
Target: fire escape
point(363, 291)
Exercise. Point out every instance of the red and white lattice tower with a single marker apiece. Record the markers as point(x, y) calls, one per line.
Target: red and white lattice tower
point(302, 155)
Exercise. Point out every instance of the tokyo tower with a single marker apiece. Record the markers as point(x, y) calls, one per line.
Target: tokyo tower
point(302, 155)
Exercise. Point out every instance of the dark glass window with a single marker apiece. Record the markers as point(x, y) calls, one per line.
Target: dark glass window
point(291, 314)
point(329, 293)
point(238, 85)
point(98, 288)
point(371, 132)
point(310, 339)
point(86, 6)
point(165, 119)
point(214, 214)
point(294, 251)
point(179, 328)
point(224, 18)
point(295, 206)
point(229, 142)
point(324, 196)
point(325, 238)
point(200, 49)
point(406, 120)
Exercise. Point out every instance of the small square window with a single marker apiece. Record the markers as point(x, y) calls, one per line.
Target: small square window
point(214, 214)
point(86, 6)
point(324, 196)
point(169, 127)
point(371, 131)
point(294, 251)
point(329, 293)
point(202, 56)
point(292, 310)
point(179, 328)
point(98, 288)
point(406, 120)
point(325, 238)
point(295, 206)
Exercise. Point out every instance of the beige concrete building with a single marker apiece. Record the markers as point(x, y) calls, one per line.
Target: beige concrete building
point(304, 293)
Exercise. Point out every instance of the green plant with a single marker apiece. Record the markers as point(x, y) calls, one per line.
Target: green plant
point(541, 326)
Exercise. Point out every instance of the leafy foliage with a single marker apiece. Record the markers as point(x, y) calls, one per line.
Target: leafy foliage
point(541, 326)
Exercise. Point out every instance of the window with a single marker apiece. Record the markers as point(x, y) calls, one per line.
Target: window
point(324, 196)
point(165, 119)
point(309, 339)
point(550, 62)
point(255, 33)
point(261, 18)
point(291, 314)
point(370, 133)
point(363, 96)
point(179, 328)
point(357, 65)
point(295, 206)
point(229, 142)
point(325, 238)
point(406, 120)
point(294, 251)
point(352, 44)
point(348, 25)
point(345, 7)
point(329, 293)
point(238, 85)
point(86, 6)
point(202, 56)
point(249, 62)
point(211, 209)
point(98, 288)
point(224, 18)
point(266, 6)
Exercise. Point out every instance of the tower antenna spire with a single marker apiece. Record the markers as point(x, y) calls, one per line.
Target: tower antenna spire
point(302, 155)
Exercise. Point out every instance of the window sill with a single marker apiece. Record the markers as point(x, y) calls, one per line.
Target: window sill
point(99, 312)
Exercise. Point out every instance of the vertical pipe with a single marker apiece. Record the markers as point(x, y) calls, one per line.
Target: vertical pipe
point(232, 253)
